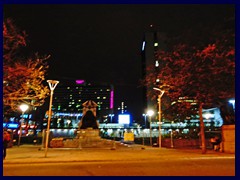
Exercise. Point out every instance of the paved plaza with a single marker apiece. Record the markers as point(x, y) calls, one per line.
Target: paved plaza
point(119, 152)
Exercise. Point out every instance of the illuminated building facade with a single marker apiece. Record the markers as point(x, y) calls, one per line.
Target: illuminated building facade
point(122, 108)
point(69, 96)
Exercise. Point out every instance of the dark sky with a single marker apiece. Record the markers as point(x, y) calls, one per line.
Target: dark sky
point(102, 43)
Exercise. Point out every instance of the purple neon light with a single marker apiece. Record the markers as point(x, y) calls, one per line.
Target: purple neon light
point(111, 100)
point(79, 81)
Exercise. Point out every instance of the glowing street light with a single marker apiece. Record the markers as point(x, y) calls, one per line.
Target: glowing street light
point(23, 108)
point(150, 113)
point(161, 92)
point(52, 85)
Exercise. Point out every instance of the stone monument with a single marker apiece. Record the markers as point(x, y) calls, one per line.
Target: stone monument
point(88, 126)
point(88, 131)
point(89, 116)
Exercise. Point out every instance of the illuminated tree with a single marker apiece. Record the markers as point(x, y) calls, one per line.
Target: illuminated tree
point(198, 65)
point(22, 77)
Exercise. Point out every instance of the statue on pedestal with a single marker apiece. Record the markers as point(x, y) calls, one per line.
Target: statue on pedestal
point(88, 126)
point(89, 119)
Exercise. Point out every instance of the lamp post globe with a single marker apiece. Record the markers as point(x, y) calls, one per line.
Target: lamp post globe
point(150, 113)
point(23, 107)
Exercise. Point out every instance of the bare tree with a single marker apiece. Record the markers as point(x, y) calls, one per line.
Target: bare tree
point(22, 77)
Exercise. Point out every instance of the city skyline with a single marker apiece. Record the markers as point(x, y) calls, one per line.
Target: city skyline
point(102, 43)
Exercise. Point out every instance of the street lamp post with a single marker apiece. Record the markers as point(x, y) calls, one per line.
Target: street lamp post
point(161, 92)
point(143, 138)
point(23, 108)
point(145, 119)
point(111, 117)
point(172, 137)
point(150, 113)
point(52, 85)
point(232, 101)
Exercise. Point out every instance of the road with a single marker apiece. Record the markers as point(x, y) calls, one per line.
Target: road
point(178, 166)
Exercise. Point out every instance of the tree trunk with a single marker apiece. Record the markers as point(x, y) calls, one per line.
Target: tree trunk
point(202, 129)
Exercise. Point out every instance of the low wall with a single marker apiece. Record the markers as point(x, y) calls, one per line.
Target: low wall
point(228, 138)
point(185, 143)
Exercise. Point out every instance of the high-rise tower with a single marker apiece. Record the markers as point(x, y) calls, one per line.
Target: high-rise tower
point(153, 41)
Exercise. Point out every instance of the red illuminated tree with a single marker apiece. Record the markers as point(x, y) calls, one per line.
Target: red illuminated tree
point(22, 77)
point(198, 66)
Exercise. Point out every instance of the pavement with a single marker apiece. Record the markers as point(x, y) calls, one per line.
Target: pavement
point(120, 152)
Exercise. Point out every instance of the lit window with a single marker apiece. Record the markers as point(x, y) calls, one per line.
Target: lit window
point(143, 46)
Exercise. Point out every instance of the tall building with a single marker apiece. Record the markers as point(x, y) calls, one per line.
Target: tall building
point(153, 41)
point(69, 95)
point(122, 108)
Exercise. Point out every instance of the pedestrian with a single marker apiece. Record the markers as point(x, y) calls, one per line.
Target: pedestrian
point(120, 134)
point(216, 143)
point(6, 140)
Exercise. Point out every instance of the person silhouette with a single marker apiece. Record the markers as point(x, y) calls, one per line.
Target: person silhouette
point(6, 140)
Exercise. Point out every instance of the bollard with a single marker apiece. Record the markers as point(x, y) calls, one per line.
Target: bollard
point(143, 147)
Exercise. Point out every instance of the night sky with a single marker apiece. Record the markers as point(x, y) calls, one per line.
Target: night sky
point(102, 43)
